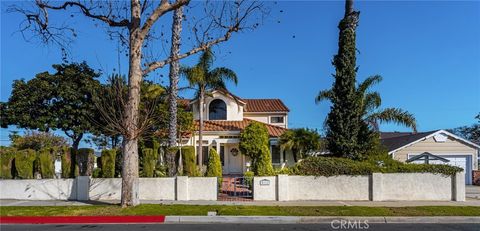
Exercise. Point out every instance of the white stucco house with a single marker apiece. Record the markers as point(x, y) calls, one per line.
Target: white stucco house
point(226, 115)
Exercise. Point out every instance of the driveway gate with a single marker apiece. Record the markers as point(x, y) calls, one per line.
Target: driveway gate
point(236, 188)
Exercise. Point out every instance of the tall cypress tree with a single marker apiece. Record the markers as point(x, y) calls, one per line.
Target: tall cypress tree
point(343, 121)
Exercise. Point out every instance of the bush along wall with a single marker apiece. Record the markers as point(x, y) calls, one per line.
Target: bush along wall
point(46, 163)
point(214, 167)
point(24, 163)
point(189, 163)
point(148, 162)
point(108, 163)
point(7, 156)
point(85, 160)
point(331, 166)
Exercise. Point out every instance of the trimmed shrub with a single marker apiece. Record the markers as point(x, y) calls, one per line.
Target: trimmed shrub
point(214, 167)
point(85, 160)
point(248, 176)
point(263, 165)
point(108, 163)
point(254, 144)
point(189, 163)
point(66, 162)
point(24, 163)
point(7, 156)
point(46, 163)
point(97, 173)
point(148, 162)
point(331, 166)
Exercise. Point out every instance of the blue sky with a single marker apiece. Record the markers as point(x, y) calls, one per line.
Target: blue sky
point(428, 53)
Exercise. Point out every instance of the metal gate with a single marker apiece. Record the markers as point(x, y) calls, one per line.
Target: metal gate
point(236, 188)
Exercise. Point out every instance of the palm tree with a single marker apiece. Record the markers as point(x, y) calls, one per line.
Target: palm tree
point(301, 141)
point(203, 79)
point(370, 104)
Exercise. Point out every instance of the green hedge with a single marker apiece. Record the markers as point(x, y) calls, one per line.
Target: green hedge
point(7, 156)
point(47, 165)
point(24, 163)
point(189, 163)
point(214, 167)
point(85, 159)
point(148, 162)
point(331, 166)
point(108, 163)
point(66, 158)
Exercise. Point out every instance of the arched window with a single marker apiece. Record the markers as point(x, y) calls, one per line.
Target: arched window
point(217, 110)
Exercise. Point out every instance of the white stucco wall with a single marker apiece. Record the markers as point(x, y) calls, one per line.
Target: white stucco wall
point(378, 187)
point(265, 188)
point(328, 188)
point(157, 188)
point(105, 189)
point(47, 189)
point(202, 188)
point(411, 187)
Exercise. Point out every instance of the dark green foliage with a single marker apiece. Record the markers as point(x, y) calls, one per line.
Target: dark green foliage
point(214, 167)
point(108, 163)
point(62, 100)
point(254, 144)
point(148, 162)
point(24, 163)
point(301, 141)
point(85, 160)
point(37, 140)
point(189, 163)
point(7, 156)
point(343, 121)
point(248, 176)
point(118, 163)
point(67, 168)
point(332, 166)
point(97, 173)
point(46, 158)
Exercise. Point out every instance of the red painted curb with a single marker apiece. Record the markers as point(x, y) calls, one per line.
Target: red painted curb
point(82, 220)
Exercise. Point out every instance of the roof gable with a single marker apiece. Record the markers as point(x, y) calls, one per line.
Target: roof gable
point(402, 140)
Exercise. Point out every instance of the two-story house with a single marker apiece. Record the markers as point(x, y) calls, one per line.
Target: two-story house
point(226, 115)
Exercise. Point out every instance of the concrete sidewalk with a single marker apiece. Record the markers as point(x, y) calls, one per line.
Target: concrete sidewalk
point(468, 202)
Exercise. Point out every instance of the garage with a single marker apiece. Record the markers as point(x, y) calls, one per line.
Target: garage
point(462, 161)
point(433, 147)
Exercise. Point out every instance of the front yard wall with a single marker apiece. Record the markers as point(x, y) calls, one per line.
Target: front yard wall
point(85, 188)
point(378, 187)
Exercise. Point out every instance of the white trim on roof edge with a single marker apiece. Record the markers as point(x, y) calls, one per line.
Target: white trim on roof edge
point(433, 134)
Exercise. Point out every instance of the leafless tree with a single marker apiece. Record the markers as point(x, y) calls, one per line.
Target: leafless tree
point(132, 22)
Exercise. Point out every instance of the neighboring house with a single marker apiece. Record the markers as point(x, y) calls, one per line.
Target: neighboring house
point(434, 147)
point(226, 115)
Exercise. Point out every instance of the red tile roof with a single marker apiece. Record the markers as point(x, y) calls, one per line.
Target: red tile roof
point(226, 125)
point(265, 105)
point(254, 105)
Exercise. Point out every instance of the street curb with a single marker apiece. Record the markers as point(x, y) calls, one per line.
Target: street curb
point(314, 220)
point(83, 220)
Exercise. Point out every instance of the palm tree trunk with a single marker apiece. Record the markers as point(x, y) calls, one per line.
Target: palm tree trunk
point(348, 7)
point(173, 75)
point(200, 130)
point(130, 185)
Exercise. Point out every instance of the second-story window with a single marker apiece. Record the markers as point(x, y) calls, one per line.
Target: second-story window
point(276, 120)
point(217, 110)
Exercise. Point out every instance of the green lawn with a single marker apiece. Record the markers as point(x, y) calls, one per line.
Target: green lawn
point(114, 210)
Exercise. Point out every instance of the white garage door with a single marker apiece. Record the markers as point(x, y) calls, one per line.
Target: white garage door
point(462, 162)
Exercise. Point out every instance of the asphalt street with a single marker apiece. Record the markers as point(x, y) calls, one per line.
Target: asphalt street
point(243, 227)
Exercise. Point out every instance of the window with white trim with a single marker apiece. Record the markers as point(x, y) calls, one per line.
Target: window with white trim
point(277, 119)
